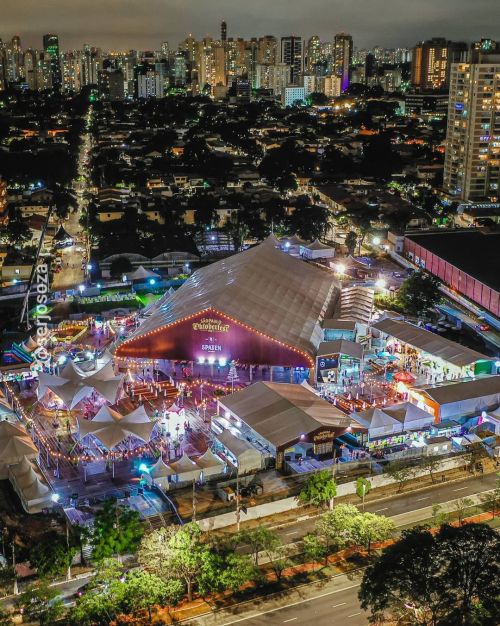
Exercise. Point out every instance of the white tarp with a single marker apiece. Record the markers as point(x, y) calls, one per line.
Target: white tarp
point(112, 428)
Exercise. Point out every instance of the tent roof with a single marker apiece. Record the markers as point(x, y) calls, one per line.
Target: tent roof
point(262, 287)
point(209, 459)
point(111, 427)
point(462, 390)
point(233, 444)
point(160, 469)
point(430, 342)
point(140, 273)
point(317, 245)
point(184, 464)
point(341, 346)
point(376, 418)
point(281, 412)
point(61, 234)
point(8, 429)
point(16, 447)
point(403, 414)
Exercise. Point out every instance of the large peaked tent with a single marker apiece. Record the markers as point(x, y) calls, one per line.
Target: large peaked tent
point(112, 428)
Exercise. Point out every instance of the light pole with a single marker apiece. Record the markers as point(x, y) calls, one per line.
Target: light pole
point(68, 574)
point(238, 510)
point(16, 589)
point(334, 467)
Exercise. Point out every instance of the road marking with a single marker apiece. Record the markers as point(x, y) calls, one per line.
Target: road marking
point(336, 605)
point(280, 608)
point(461, 489)
point(289, 620)
point(354, 614)
point(378, 510)
point(294, 532)
point(420, 499)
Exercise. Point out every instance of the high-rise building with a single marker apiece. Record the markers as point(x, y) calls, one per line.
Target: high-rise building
point(267, 51)
point(223, 31)
point(279, 78)
point(472, 163)
point(313, 53)
point(165, 50)
point(51, 50)
point(30, 68)
point(149, 85)
point(431, 62)
point(292, 54)
point(343, 58)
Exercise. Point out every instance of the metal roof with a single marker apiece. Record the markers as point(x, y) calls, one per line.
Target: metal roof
point(281, 412)
point(264, 288)
point(462, 390)
point(341, 346)
point(431, 343)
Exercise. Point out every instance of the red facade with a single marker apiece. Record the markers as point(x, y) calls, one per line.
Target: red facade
point(212, 334)
point(454, 277)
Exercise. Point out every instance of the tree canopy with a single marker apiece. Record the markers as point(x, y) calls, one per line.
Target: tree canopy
point(319, 489)
point(451, 578)
point(419, 293)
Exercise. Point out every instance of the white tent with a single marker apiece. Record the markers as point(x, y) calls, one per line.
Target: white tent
point(112, 428)
point(73, 385)
point(211, 464)
point(32, 491)
point(15, 445)
point(158, 474)
point(141, 273)
point(185, 469)
point(393, 419)
point(317, 250)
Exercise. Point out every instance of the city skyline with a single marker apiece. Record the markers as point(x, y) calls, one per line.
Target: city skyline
point(145, 25)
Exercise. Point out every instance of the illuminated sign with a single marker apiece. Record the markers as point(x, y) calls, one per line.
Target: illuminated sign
point(211, 347)
point(323, 436)
point(211, 325)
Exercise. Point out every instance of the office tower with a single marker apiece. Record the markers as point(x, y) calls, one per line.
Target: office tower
point(279, 77)
point(431, 62)
point(180, 69)
point(51, 50)
point(472, 163)
point(292, 54)
point(149, 85)
point(313, 53)
point(30, 68)
point(370, 66)
point(267, 50)
point(223, 32)
point(343, 58)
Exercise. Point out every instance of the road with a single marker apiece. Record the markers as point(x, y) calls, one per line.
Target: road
point(72, 273)
point(404, 503)
point(322, 604)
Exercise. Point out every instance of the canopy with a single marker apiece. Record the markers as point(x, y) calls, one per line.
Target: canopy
point(185, 469)
point(73, 385)
point(112, 428)
point(32, 491)
point(141, 273)
point(393, 419)
point(15, 446)
point(404, 377)
point(210, 463)
point(160, 469)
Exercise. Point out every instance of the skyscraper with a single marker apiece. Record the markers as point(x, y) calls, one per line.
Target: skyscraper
point(343, 58)
point(431, 62)
point(292, 54)
point(223, 32)
point(472, 163)
point(51, 50)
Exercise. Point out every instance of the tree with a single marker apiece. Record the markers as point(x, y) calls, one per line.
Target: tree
point(363, 486)
point(461, 506)
point(41, 603)
point(279, 561)
point(430, 463)
point(319, 489)
point(120, 266)
point(439, 517)
point(259, 539)
point(448, 579)
point(116, 530)
point(309, 221)
point(419, 292)
point(314, 547)
point(175, 552)
point(16, 232)
point(400, 472)
point(141, 591)
point(51, 555)
point(491, 499)
point(5, 618)
point(335, 528)
point(351, 241)
point(369, 527)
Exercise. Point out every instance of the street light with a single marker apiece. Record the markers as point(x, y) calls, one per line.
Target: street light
point(381, 283)
point(81, 288)
point(340, 267)
point(376, 241)
point(152, 281)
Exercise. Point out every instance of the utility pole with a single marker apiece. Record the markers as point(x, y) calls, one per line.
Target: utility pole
point(238, 508)
point(194, 500)
point(68, 574)
point(16, 589)
point(334, 469)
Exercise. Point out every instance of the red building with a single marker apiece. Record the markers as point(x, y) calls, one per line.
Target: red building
point(259, 307)
point(468, 261)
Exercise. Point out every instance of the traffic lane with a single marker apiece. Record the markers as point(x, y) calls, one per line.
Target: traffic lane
point(403, 503)
point(324, 609)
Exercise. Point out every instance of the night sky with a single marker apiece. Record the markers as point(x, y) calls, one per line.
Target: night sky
point(144, 24)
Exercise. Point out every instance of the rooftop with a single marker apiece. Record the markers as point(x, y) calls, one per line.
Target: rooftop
point(473, 251)
point(281, 413)
point(462, 390)
point(431, 343)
